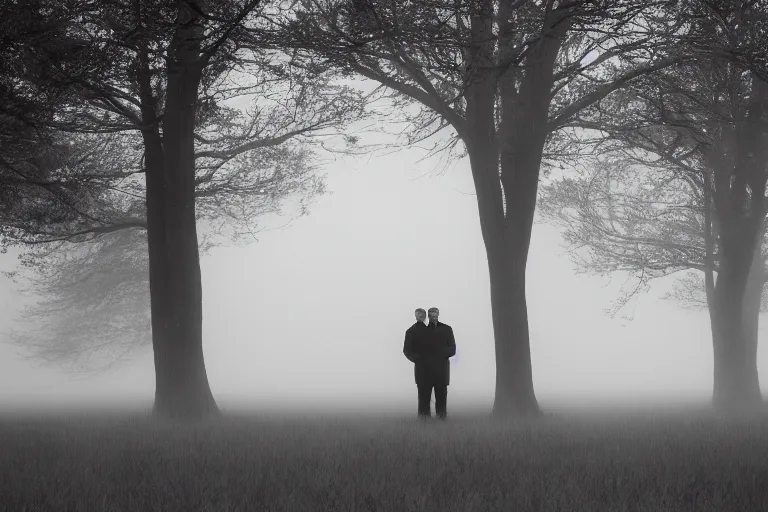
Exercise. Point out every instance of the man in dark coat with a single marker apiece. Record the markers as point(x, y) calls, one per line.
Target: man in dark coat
point(429, 347)
point(413, 336)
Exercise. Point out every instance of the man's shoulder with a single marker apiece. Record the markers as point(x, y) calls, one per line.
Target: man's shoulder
point(416, 326)
point(446, 326)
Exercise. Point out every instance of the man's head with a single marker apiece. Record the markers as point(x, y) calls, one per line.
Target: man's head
point(421, 315)
point(433, 314)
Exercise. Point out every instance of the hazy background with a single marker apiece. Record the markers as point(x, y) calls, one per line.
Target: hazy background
point(317, 311)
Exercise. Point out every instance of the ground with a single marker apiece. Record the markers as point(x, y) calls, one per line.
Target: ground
point(642, 461)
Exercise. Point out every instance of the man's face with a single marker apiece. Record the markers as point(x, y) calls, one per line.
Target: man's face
point(420, 316)
point(433, 314)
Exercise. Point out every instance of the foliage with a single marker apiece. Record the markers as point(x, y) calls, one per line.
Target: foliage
point(80, 180)
point(682, 172)
point(620, 216)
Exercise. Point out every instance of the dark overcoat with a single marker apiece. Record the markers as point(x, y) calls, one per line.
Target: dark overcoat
point(429, 350)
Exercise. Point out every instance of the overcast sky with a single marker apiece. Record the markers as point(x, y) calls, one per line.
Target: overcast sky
point(317, 311)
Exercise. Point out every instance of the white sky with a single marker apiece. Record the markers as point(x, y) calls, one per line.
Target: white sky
point(317, 311)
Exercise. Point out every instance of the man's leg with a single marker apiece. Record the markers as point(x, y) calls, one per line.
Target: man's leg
point(441, 401)
point(425, 395)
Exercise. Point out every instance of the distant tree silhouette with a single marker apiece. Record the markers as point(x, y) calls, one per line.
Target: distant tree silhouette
point(92, 306)
point(93, 288)
point(619, 216)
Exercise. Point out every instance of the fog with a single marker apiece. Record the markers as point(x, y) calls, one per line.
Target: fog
point(315, 312)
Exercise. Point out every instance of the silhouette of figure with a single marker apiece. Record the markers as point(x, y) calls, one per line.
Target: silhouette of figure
point(429, 347)
point(414, 333)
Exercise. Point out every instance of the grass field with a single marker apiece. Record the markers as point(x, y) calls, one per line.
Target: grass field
point(563, 462)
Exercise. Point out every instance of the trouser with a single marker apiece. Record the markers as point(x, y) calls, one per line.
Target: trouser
point(425, 396)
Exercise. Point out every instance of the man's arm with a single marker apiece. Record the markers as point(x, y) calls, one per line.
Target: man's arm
point(451, 348)
point(408, 348)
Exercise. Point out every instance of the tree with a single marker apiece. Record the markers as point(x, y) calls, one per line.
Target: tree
point(505, 78)
point(621, 217)
point(163, 73)
point(706, 119)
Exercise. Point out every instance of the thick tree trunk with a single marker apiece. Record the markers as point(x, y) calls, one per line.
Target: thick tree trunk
point(751, 317)
point(182, 389)
point(736, 385)
point(506, 258)
point(507, 261)
point(514, 371)
point(522, 135)
point(507, 251)
point(739, 198)
point(505, 170)
point(157, 240)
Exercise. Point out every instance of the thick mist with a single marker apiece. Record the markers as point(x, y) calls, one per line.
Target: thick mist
point(314, 312)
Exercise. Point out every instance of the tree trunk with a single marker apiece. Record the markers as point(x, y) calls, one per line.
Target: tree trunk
point(505, 169)
point(736, 385)
point(522, 135)
point(514, 371)
point(751, 317)
point(506, 262)
point(182, 389)
point(506, 248)
point(739, 198)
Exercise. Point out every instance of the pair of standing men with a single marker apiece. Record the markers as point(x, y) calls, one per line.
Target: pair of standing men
point(429, 347)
